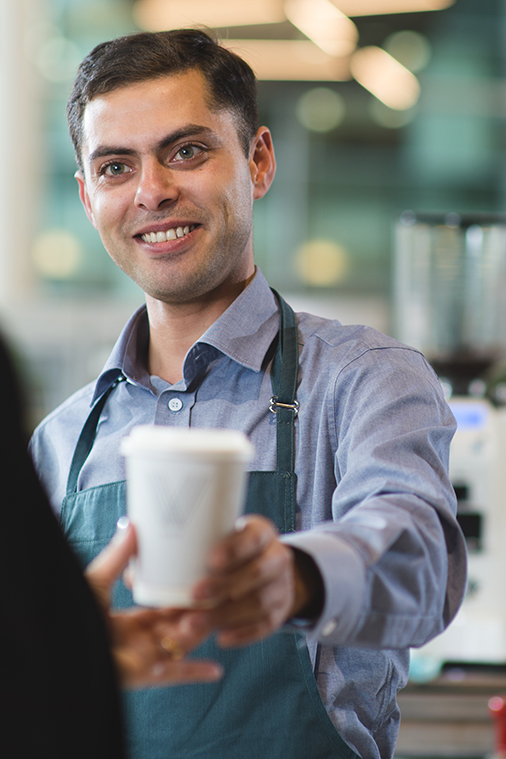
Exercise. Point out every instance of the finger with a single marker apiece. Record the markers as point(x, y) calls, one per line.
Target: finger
point(186, 633)
point(276, 561)
point(164, 671)
point(268, 605)
point(112, 560)
point(158, 620)
point(255, 617)
point(192, 627)
point(180, 672)
point(128, 575)
point(249, 627)
point(253, 536)
point(274, 565)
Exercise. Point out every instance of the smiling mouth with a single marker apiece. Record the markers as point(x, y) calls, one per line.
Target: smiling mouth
point(170, 234)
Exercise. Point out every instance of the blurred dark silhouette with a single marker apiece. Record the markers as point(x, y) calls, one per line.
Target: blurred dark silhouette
point(58, 693)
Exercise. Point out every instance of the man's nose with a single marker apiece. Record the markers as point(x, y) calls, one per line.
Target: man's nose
point(156, 186)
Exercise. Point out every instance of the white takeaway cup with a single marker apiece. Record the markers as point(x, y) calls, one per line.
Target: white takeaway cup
point(185, 489)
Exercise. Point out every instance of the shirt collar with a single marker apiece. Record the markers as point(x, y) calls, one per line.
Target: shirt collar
point(247, 328)
point(128, 357)
point(244, 332)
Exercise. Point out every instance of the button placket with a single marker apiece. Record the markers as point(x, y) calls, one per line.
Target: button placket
point(174, 408)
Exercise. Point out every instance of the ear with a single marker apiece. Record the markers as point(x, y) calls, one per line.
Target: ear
point(85, 198)
point(262, 162)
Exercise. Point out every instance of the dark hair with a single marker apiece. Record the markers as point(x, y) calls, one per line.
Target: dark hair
point(152, 55)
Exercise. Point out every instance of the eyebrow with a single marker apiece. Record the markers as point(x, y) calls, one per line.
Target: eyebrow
point(190, 130)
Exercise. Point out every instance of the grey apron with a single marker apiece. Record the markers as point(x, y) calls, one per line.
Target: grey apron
point(267, 705)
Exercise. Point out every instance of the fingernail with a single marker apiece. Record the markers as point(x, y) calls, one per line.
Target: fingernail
point(196, 623)
point(240, 523)
point(217, 672)
point(122, 525)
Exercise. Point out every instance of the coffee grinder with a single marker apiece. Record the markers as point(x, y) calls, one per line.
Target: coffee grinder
point(450, 302)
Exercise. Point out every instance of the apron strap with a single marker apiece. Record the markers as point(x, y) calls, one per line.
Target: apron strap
point(87, 437)
point(284, 376)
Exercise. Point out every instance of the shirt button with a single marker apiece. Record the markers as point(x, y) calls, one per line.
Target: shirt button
point(329, 628)
point(175, 404)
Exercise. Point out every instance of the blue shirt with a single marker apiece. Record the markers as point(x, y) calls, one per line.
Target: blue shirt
point(376, 510)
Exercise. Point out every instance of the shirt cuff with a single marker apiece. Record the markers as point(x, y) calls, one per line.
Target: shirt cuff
point(343, 575)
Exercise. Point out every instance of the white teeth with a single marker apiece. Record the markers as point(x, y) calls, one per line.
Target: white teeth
point(170, 234)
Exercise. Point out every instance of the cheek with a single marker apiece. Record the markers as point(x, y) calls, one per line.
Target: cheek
point(240, 196)
point(237, 189)
point(227, 187)
point(108, 212)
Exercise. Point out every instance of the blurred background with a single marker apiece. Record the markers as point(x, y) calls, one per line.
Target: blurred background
point(376, 106)
point(389, 209)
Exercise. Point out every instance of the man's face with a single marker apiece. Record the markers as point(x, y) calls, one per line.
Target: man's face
point(169, 188)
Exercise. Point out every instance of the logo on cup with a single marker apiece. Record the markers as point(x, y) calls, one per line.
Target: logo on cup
point(178, 500)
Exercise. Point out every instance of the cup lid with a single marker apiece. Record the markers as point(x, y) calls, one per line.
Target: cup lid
point(154, 438)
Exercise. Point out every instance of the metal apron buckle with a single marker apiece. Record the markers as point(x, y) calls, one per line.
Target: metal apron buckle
point(274, 404)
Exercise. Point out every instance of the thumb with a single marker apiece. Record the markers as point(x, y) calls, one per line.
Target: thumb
point(105, 568)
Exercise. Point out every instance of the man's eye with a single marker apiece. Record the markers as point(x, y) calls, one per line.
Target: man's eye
point(187, 152)
point(115, 169)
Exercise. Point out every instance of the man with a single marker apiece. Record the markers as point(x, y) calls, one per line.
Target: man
point(350, 428)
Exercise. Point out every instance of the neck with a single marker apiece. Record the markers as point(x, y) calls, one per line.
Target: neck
point(175, 327)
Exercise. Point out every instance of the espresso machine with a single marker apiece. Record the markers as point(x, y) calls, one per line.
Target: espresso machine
point(450, 302)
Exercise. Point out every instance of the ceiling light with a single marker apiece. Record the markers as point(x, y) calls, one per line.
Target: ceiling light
point(57, 254)
point(379, 7)
point(323, 23)
point(385, 77)
point(322, 263)
point(290, 60)
point(321, 109)
point(412, 49)
point(158, 15)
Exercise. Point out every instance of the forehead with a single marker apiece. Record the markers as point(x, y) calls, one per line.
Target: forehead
point(152, 109)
